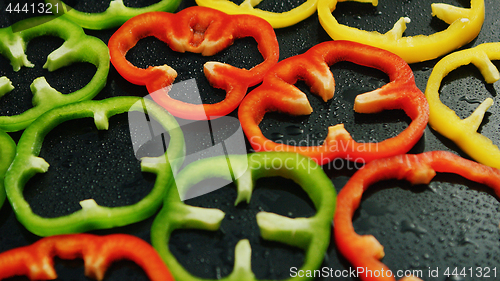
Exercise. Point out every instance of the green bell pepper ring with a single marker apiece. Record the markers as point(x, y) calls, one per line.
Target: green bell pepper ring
point(310, 234)
point(91, 216)
point(115, 15)
point(7, 152)
point(78, 47)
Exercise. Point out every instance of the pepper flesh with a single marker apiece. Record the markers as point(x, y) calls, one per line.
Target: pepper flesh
point(365, 251)
point(115, 15)
point(278, 93)
point(277, 20)
point(464, 25)
point(98, 252)
point(310, 234)
point(92, 216)
point(199, 30)
point(7, 153)
point(445, 121)
point(78, 47)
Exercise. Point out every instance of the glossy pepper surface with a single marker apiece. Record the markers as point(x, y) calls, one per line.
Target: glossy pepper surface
point(98, 253)
point(365, 251)
point(277, 20)
point(7, 153)
point(115, 15)
point(444, 120)
point(310, 234)
point(464, 25)
point(278, 94)
point(198, 30)
point(92, 216)
point(78, 47)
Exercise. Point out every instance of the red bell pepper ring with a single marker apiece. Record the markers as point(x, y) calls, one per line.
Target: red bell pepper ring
point(198, 30)
point(365, 251)
point(278, 93)
point(98, 252)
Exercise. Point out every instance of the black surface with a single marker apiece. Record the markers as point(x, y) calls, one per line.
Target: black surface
point(451, 222)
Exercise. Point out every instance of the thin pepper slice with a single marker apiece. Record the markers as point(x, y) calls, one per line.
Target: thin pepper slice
point(464, 25)
point(365, 251)
point(310, 234)
point(92, 216)
point(277, 20)
point(78, 47)
point(115, 15)
point(7, 153)
point(278, 93)
point(98, 253)
point(445, 120)
point(198, 30)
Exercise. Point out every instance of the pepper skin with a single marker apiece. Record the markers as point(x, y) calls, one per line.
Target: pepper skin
point(78, 47)
point(277, 20)
point(7, 153)
point(365, 251)
point(310, 234)
point(115, 15)
point(446, 122)
point(198, 30)
point(98, 253)
point(465, 25)
point(92, 216)
point(278, 93)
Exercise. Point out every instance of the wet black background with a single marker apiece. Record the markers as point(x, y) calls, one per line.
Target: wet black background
point(451, 222)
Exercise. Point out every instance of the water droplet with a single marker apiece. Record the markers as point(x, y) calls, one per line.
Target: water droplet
point(407, 226)
point(469, 100)
point(293, 130)
point(276, 136)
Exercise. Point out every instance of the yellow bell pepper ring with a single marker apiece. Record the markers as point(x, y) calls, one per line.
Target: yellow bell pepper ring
point(277, 20)
point(464, 26)
point(445, 121)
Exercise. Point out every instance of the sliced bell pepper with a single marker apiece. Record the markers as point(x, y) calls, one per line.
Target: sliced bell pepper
point(78, 47)
point(7, 153)
point(465, 24)
point(365, 251)
point(277, 20)
point(98, 253)
point(92, 216)
point(115, 15)
point(310, 234)
point(278, 93)
point(198, 30)
point(445, 120)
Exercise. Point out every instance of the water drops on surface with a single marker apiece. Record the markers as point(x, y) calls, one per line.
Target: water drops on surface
point(294, 130)
point(407, 226)
point(276, 136)
point(469, 100)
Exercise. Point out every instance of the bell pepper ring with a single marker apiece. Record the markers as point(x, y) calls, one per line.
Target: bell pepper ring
point(198, 30)
point(92, 216)
point(445, 121)
point(78, 47)
point(7, 153)
point(278, 93)
point(365, 251)
point(464, 25)
point(277, 20)
point(98, 252)
point(310, 234)
point(115, 15)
